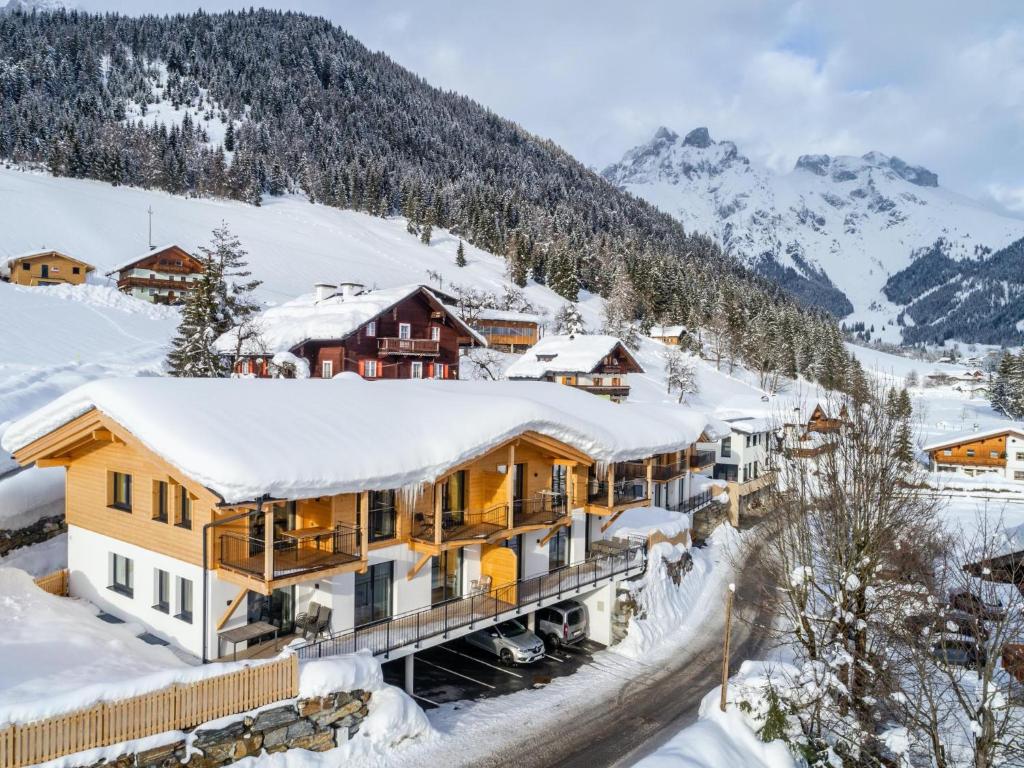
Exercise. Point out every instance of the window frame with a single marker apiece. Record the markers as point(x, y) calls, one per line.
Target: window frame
point(370, 369)
point(326, 369)
point(123, 489)
point(162, 590)
point(435, 333)
point(371, 328)
point(414, 366)
point(405, 328)
point(183, 509)
point(161, 498)
point(184, 588)
point(127, 571)
point(381, 517)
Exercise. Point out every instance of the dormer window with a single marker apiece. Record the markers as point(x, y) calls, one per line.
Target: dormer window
point(546, 358)
point(371, 328)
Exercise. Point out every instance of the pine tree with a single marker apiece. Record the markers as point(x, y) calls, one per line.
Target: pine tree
point(903, 410)
point(460, 255)
point(568, 320)
point(233, 289)
point(1000, 392)
point(620, 310)
point(192, 350)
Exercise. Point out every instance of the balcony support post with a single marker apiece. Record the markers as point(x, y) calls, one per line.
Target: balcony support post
point(650, 477)
point(364, 529)
point(611, 486)
point(510, 486)
point(438, 515)
point(268, 540)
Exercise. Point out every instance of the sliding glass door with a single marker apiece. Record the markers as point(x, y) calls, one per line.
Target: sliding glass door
point(373, 593)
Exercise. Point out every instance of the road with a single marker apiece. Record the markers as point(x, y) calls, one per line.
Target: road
point(647, 711)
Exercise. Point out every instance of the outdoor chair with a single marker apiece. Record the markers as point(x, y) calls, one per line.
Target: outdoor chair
point(321, 625)
point(305, 621)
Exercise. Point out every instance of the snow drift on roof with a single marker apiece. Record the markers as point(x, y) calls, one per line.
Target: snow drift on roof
point(965, 437)
point(146, 255)
point(749, 425)
point(506, 315)
point(302, 319)
point(242, 438)
point(577, 353)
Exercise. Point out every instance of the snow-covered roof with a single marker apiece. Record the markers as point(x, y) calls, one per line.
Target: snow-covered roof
point(345, 435)
point(146, 255)
point(505, 315)
point(284, 327)
point(45, 252)
point(749, 425)
point(967, 437)
point(573, 353)
point(666, 331)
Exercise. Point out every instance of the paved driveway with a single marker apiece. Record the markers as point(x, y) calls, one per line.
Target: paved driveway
point(457, 671)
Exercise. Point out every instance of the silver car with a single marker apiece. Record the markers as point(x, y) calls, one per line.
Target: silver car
point(510, 641)
point(563, 624)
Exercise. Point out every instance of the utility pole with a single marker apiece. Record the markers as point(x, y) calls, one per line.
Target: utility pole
point(725, 651)
point(150, 212)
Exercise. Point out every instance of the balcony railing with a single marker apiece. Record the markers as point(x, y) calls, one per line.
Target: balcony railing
point(701, 459)
point(664, 472)
point(971, 461)
point(393, 346)
point(292, 555)
point(694, 503)
point(411, 629)
point(463, 524)
point(156, 282)
point(543, 509)
point(623, 492)
point(605, 390)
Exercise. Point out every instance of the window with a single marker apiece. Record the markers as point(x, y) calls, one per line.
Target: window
point(970, 452)
point(558, 549)
point(597, 381)
point(747, 443)
point(370, 369)
point(440, 370)
point(121, 575)
point(404, 331)
point(446, 576)
point(183, 519)
point(160, 501)
point(371, 328)
point(947, 452)
point(1020, 455)
point(993, 454)
point(453, 499)
point(121, 491)
point(435, 332)
point(381, 515)
point(26, 267)
point(327, 369)
point(726, 447)
point(373, 593)
point(245, 367)
point(184, 600)
point(162, 590)
point(1018, 475)
point(415, 370)
point(76, 270)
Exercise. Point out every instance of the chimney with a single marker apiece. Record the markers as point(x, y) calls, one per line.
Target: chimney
point(350, 289)
point(323, 291)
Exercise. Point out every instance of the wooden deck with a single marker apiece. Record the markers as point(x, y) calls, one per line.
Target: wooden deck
point(291, 562)
point(265, 650)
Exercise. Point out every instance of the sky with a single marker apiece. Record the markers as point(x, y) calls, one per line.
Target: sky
point(937, 83)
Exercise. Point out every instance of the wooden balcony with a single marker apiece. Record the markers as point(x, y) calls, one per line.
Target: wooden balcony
point(662, 473)
point(294, 555)
point(393, 346)
point(970, 461)
point(702, 459)
point(179, 286)
point(604, 390)
point(543, 509)
point(462, 525)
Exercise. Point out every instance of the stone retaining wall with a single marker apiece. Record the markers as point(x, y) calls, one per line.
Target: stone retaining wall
point(41, 530)
point(314, 724)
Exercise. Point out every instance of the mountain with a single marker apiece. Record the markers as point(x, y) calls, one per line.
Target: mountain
point(258, 105)
point(834, 231)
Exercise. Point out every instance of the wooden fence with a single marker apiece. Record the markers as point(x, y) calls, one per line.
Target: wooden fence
point(179, 707)
point(55, 583)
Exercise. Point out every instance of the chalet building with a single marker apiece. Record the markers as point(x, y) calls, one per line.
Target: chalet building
point(998, 452)
point(596, 364)
point(814, 435)
point(392, 333)
point(164, 275)
point(508, 331)
point(743, 462)
point(215, 512)
point(46, 268)
point(671, 335)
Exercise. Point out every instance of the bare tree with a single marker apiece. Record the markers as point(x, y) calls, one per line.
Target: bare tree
point(680, 374)
point(485, 363)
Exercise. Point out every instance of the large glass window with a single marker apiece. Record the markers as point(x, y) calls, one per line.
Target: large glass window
point(446, 576)
point(558, 549)
point(184, 600)
point(160, 505)
point(121, 579)
point(162, 590)
point(373, 593)
point(121, 491)
point(381, 517)
point(184, 516)
point(726, 447)
point(453, 498)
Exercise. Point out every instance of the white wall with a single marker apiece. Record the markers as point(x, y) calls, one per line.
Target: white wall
point(1014, 445)
point(535, 557)
point(599, 611)
point(577, 537)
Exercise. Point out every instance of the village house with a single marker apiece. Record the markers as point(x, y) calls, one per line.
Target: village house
point(594, 363)
point(743, 462)
point(391, 333)
point(998, 452)
point(46, 267)
point(672, 335)
point(220, 512)
point(163, 275)
point(507, 331)
point(811, 436)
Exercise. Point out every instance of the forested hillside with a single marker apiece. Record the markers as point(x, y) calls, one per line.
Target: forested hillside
point(258, 103)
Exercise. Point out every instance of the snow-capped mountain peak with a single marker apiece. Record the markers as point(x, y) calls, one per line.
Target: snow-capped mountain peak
point(28, 6)
point(833, 230)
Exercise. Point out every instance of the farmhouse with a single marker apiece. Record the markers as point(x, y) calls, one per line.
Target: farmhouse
point(596, 364)
point(998, 452)
point(218, 511)
point(46, 268)
point(164, 275)
point(392, 333)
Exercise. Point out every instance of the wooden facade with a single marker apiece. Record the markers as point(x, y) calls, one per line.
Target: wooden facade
point(982, 452)
point(47, 268)
point(428, 349)
point(508, 335)
point(164, 276)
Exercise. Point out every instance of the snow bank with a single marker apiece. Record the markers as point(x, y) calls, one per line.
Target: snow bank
point(643, 521)
point(670, 612)
point(356, 671)
point(39, 559)
point(209, 430)
point(29, 495)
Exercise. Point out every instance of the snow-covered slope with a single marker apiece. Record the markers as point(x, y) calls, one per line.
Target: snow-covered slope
point(833, 229)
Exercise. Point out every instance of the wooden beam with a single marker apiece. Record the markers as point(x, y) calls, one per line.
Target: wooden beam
point(552, 532)
point(104, 435)
point(611, 486)
point(268, 543)
point(612, 519)
point(416, 568)
point(232, 607)
point(438, 515)
point(43, 463)
point(510, 485)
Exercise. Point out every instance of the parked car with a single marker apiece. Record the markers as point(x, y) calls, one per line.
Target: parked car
point(510, 641)
point(971, 603)
point(959, 652)
point(562, 624)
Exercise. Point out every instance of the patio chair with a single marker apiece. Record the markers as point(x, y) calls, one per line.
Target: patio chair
point(322, 625)
point(304, 621)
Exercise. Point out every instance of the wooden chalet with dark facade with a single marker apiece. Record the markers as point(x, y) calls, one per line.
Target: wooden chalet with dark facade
point(594, 363)
point(165, 275)
point(394, 333)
